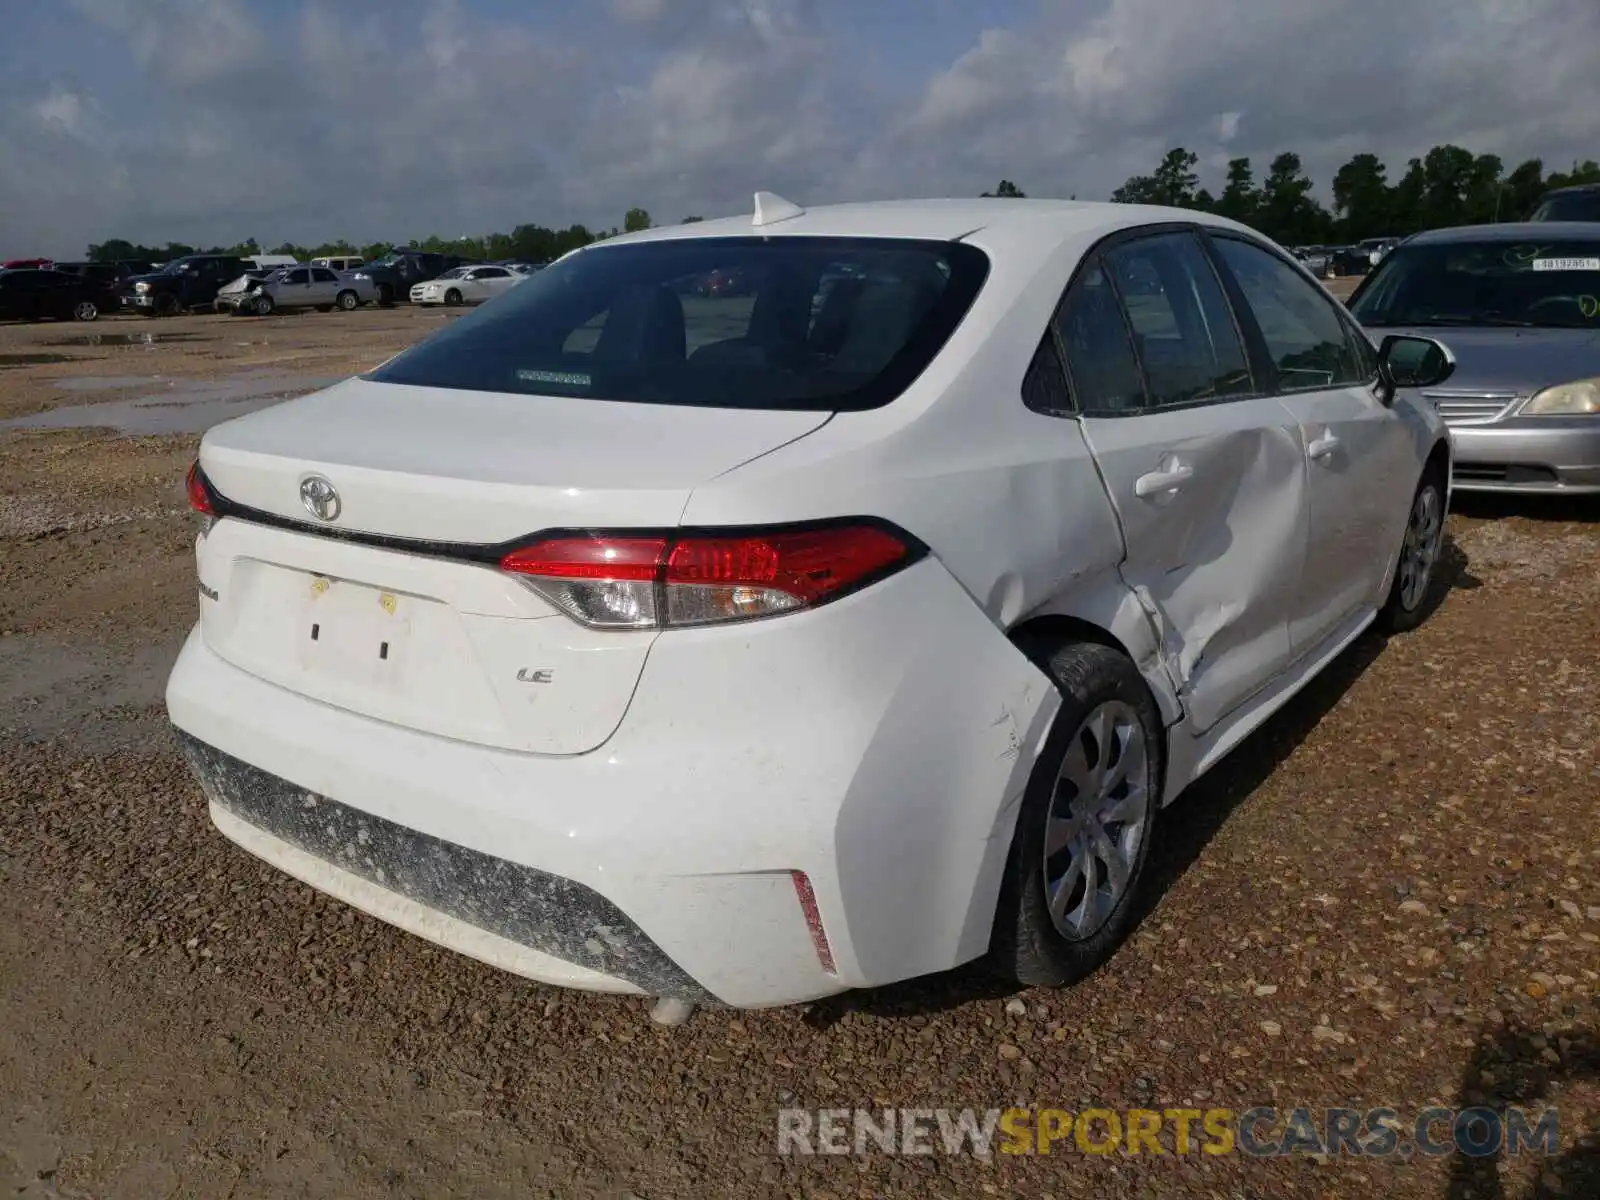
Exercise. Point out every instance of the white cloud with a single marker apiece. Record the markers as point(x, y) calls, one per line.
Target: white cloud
point(427, 115)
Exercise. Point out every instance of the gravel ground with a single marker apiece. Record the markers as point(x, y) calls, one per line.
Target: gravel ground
point(1386, 898)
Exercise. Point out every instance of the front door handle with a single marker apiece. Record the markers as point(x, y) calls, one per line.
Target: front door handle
point(1323, 446)
point(1169, 479)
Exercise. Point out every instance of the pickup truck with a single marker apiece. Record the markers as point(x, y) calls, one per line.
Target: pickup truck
point(183, 284)
point(397, 272)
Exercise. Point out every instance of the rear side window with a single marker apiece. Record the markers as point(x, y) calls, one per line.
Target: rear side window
point(823, 324)
point(297, 277)
point(323, 275)
point(1308, 342)
point(1182, 324)
point(1105, 374)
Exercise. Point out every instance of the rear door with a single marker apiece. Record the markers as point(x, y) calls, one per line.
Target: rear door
point(1359, 463)
point(1206, 472)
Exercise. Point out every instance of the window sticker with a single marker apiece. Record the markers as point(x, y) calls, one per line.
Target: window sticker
point(1566, 264)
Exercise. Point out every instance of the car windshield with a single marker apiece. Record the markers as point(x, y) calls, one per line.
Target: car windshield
point(1570, 206)
point(1551, 283)
point(819, 324)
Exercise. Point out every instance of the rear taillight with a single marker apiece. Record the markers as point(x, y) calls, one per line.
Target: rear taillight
point(199, 494)
point(627, 581)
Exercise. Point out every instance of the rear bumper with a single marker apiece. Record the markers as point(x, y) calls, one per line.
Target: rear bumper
point(1529, 455)
point(837, 743)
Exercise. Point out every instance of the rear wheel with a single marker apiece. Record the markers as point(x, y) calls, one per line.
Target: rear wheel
point(348, 301)
point(85, 310)
point(1082, 839)
point(1411, 596)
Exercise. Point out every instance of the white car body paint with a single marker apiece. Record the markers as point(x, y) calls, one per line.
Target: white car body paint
point(881, 743)
point(474, 285)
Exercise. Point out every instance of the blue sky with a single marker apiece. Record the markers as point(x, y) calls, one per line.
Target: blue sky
point(214, 120)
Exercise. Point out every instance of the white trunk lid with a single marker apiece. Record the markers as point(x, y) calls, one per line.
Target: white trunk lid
point(424, 636)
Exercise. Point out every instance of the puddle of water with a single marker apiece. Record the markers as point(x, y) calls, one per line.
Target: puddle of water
point(28, 360)
point(120, 339)
point(184, 406)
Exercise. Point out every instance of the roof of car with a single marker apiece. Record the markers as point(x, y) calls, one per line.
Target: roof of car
point(936, 220)
point(1515, 231)
point(1573, 187)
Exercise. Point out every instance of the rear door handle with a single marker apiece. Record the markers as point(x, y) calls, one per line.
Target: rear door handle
point(1168, 479)
point(1323, 446)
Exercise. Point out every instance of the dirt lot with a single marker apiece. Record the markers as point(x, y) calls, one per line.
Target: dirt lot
point(1386, 898)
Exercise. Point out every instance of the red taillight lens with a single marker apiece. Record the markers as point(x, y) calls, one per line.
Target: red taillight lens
point(703, 579)
point(199, 495)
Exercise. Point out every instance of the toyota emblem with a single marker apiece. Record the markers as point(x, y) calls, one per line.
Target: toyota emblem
point(321, 501)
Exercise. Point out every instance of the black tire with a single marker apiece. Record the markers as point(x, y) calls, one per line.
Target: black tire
point(167, 306)
point(1027, 946)
point(347, 301)
point(385, 294)
point(1408, 606)
point(452, 297)
point(263, 305)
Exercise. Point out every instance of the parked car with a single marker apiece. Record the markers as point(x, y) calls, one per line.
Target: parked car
point(1519, 308)
point(1314, 258)
point(236, 295)
point(307, 287)
point(735, 655)
point(109, 275)
point(339, 262)
point(1376, 248)
point(466, 285)
point(398, 271)
point(1580, 202)
point(183, 284)
point(29, 294)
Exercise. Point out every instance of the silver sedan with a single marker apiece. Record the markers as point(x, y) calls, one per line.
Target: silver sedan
point(1518, 306)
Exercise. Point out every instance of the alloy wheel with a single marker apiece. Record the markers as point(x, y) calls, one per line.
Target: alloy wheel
point(1420, 550)
point(1097, 819)
point(85, 310)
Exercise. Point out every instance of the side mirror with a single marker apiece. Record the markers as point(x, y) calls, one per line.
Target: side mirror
point(1407, 361)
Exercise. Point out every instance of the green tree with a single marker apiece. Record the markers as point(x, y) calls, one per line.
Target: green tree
point(1007, 190)
point(1240, 197)
point(1520, 191)
point(1587, 171)
point(636, 220)
point(1288, 212)
point(1361, 198)
point(1174, 183)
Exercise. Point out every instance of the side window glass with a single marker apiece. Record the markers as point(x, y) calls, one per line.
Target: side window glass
point(298, 277)
point(1044, 387)
point(323, 275)
point(1306, 339)
point(1105, 374)
point(1182, 324)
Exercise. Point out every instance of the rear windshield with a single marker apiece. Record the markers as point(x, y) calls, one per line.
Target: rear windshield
point(825, 324)
point(1550, 283)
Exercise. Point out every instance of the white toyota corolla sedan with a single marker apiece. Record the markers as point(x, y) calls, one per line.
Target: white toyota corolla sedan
point(842, 628)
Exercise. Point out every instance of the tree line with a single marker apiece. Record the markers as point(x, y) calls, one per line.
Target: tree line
point(1447, 186)
point(525, 243)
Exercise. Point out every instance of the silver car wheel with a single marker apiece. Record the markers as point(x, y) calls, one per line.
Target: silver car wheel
point(85, 310)
point(1420, 550)
point(1096, 821)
